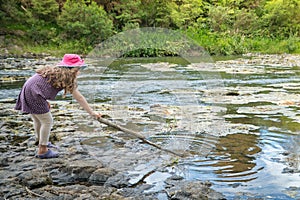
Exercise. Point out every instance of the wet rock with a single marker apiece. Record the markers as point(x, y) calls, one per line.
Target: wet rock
point(192, 191)
point(3, 136)
point(77, 191)
point(290, 170)
point(6, 112)
point(293, 192)
point(137, 193)
point(28, 166)
point(9, 100)
point(81, 170)
point(3, 161)
point(140, 173)
point(100, 176)
point(12, 191)
point(35, 178)
point(118, 181)
point(102, 191)
point(175, 178)
point(232, 93)
point(6, 78)
point(3, 147)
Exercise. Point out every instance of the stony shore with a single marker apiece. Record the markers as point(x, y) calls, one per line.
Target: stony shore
point(114, 167)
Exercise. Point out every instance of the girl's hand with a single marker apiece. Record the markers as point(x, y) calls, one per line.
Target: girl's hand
point(49, 106)
point(96, 115)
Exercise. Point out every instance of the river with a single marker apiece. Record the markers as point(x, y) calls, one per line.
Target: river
point(238, 119)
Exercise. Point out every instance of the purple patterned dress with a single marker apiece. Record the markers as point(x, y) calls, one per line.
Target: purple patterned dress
point(34, 95)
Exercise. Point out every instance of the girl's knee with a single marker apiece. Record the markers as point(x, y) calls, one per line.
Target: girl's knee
point(46, 119)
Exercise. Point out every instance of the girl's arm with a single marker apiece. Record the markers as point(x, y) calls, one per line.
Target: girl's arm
point(84, 104)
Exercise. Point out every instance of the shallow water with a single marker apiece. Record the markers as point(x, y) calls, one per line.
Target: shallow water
point(246, 164)
point(240, 127)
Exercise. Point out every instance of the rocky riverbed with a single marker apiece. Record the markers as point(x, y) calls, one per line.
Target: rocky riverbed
point(112, 168)
point(95, 162)
point(99, 162)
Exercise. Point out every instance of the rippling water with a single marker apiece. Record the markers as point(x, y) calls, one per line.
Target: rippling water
point(246, 164)
point(244, 140)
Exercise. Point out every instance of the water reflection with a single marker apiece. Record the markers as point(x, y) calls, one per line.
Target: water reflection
point(237, 151)
point(232, 160)
point(240, 164)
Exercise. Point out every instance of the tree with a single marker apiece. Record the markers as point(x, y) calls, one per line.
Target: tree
point(156, 13)
point(127, 14)
point(220, 18)
point(246, 22)
point(79, 20)
point(11, 11)
point(46, 10)
point(186, 12)
point(282, 17)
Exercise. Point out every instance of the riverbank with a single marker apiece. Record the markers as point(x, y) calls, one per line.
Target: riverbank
point(215, 44)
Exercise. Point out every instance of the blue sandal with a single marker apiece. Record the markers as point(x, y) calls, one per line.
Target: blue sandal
point(48, 154)
point(50, 145)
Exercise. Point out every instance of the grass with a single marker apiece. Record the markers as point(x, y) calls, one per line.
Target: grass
point(222, 44)
point(215, 44)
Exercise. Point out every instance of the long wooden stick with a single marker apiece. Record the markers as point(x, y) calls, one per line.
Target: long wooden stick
point(33, 193)
point(136, 134)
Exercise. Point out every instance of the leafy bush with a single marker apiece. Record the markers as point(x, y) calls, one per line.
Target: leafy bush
point(245, 22)
point(127, 14)
point(46, 10)
point(10, 12)
point(186, 12)
point(79, 20)
point(221, 27)
point(40, 33)
point(282, 18)
point(220, 18)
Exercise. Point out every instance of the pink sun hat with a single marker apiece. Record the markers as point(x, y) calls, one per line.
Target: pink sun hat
point(72, 60)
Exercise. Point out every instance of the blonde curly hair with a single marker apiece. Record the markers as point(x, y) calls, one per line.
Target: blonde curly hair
point(60, 77)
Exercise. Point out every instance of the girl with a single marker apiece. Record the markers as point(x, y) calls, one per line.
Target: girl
point(45, 85)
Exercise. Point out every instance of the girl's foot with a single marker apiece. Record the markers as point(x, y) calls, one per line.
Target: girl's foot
point(48, 154)
point(50, 145)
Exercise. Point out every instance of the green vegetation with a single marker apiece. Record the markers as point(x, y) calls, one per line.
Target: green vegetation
point(222, 27)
